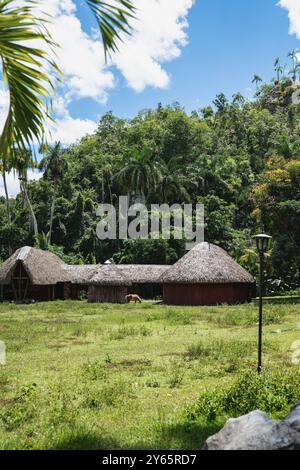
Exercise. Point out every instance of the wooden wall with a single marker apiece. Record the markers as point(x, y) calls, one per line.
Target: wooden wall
point(111, 294)
point(207, 294)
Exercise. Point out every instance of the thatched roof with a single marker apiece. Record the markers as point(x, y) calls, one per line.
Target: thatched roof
point(206, 264)
point(143, 273)
point(42, 267)
point(82, 274)
point(109, 275)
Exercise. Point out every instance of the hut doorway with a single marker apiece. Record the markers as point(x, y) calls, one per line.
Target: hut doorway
point(59, 291)
point(20, 283)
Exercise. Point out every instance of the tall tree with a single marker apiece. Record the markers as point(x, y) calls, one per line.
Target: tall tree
point(278, 68)
point(54, 165)
point(5, 169)
point(256, 79)
point(293, 55)
point(23, 160)
point(173, 184)
point(141, 172)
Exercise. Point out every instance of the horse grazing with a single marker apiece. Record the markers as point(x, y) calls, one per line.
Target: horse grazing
point(134, 298)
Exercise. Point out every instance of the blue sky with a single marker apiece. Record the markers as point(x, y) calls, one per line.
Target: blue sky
point(229, 41)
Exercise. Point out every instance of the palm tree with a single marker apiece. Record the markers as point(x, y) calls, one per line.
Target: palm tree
point(238, 99)
point(278, 68)
point(22, 162)
point(172, 185)
point(54, 165)
point(293, 55)
point(25, 68)
point(141, 173)
point(5, 169)
point(256, 79)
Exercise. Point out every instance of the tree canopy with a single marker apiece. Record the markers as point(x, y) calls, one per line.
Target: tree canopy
point(240, 158)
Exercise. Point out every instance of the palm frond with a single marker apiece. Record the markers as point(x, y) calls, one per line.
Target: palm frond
point(113, 19)
point(24, 76)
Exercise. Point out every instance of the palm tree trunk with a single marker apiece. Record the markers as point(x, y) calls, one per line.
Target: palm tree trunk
point(103, 191)
point(51, 219)
point(32, 214)
point(8, 208)
point(8, 211)
point(110, 193)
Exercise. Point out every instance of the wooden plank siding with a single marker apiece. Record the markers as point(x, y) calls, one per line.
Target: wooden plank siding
point(110, 294)
point(207, 294)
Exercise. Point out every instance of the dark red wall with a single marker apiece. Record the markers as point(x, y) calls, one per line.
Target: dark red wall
point(207, 294)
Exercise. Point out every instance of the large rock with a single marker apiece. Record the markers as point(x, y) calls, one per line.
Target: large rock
point(256, 431)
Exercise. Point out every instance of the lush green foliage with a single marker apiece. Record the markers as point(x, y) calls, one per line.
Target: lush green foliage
point(239, 158)
point(273, 392)
point(24, 74)
point(99, 376)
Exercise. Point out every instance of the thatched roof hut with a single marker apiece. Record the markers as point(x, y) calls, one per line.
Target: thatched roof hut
point(108, 284)
point(42, 267)
point(33, 273)
point(143, 273)
point(206, 275)
point(109, 275)
point(81, 274)
point(145, 279)
point(206, 264)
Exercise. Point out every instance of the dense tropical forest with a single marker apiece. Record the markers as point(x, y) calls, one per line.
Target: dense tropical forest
point(240, 158)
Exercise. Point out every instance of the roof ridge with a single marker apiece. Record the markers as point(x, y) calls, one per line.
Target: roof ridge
point(23, 253)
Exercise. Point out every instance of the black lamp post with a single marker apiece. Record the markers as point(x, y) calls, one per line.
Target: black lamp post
point(262, 243)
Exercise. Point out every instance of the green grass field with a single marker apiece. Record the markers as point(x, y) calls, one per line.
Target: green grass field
point(92, 376)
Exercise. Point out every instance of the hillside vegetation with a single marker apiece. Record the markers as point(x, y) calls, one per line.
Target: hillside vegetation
point(240, 158)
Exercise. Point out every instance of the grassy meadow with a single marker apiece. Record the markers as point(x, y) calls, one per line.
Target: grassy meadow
point(99, 376)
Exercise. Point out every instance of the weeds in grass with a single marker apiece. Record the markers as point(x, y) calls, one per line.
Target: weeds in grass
point(274, 391)
point(178, 317)
point(176, 373)
point(109, 395)
point(222, 350)
point(85, 390)
point(20, 409)
point(63, 408)
point(3, 381)
point(152, 383)
point(233, 317)
point(95, 371)
point(125, 331)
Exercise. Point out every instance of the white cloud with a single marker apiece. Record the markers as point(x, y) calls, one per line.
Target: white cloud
point(159, 36)
point(66, 129)
point(160, 33)
point(13, 182)
point(293, 7)
point(69, 130)
point(81, 60)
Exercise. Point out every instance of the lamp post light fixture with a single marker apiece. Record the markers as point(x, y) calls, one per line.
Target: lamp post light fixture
point(262, 243)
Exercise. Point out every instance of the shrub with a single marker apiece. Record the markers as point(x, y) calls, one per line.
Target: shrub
point(109, 395)
point(20, 409)
point(95, 371)
point(176, 374)
point(125, 331)
point(223, 350)
point(272, 391)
